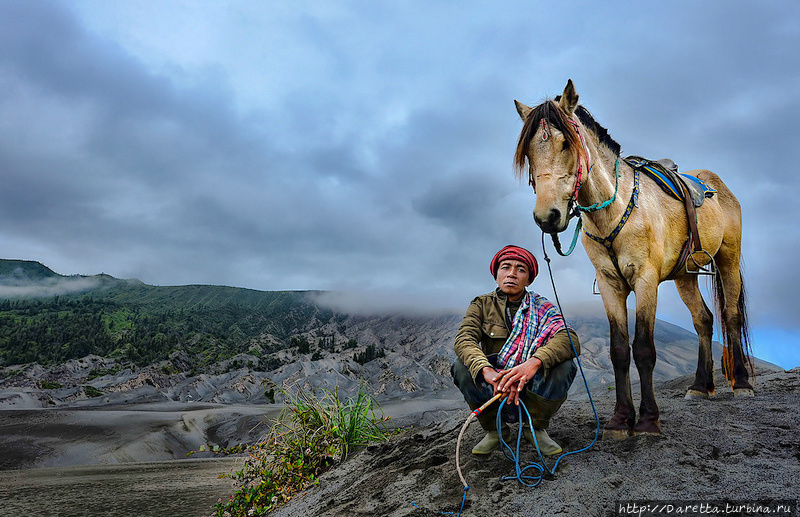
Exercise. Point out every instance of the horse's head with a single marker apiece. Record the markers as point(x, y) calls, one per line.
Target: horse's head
point(550, 146)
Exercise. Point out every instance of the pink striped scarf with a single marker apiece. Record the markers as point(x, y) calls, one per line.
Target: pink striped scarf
point(531, 330)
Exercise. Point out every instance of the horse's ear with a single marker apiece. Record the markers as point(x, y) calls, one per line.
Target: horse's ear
point(523, 110)
point(569, 99)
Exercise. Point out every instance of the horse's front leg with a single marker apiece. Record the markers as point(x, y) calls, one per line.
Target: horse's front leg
point(614, 294)
point(644, 352)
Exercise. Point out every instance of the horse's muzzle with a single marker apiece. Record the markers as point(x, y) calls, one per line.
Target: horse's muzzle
point(552, 222)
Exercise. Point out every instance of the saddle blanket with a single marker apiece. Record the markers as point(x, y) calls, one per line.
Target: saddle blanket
point(664, 173)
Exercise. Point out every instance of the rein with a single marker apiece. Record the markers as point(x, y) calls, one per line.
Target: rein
point(577, 209)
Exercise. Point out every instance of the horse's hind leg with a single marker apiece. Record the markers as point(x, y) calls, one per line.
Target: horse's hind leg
point(703, 320)
point(734, 320)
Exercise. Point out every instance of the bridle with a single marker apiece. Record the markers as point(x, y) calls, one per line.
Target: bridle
point(573, 208)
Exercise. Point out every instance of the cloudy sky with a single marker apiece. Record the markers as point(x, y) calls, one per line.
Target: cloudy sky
point(366, 147)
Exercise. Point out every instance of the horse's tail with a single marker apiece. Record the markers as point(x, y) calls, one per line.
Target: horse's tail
point(744, 328)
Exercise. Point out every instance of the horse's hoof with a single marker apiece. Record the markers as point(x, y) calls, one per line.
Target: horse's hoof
point(615, 434)
point(646, 433)
point(695, 395)
point(743, 392)
point(647, 427)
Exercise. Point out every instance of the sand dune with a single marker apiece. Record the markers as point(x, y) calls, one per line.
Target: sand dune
point(187, 488)
point(32, 438)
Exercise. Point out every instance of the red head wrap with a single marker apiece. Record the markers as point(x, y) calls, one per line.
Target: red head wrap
point(515, 253)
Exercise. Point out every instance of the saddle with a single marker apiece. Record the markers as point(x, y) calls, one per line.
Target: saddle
point(688, 189)
point(665, 173)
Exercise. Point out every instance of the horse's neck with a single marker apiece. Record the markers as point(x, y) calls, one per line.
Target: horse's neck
point(599, 186)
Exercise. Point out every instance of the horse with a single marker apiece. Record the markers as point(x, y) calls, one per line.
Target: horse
point(575, 169)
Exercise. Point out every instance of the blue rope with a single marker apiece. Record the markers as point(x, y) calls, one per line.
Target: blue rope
point(514, 456)
point(557, 243)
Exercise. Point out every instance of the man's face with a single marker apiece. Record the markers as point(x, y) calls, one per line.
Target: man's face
point(512, 278)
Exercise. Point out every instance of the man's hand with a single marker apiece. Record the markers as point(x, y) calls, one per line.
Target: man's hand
point(493, 377)
point(514, 380)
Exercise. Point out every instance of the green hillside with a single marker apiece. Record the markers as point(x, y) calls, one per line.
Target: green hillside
point(145, 324)
point(25, 269)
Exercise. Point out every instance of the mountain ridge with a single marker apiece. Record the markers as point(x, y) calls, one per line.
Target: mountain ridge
point(125, 339)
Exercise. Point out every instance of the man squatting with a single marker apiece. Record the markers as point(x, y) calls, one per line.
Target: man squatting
point(514, 341)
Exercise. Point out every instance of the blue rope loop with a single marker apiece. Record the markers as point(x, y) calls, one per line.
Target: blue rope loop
point(557, 243)
point(514, 456)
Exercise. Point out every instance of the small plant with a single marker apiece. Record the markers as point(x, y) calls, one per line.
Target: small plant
point(91, 391)
point(216, 449)
point(309, 437)
point(49, 385)
point(99, 372)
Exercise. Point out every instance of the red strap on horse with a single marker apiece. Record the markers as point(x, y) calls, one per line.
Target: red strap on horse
point(579, 174)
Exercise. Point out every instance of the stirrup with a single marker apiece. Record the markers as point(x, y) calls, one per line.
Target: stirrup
point(708, 269)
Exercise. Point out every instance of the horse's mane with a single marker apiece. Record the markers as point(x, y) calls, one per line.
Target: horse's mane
point(588, 120)
point(550, 112)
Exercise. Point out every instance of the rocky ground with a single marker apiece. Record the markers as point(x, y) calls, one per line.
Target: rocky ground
point(724, 449)
point(53, 418)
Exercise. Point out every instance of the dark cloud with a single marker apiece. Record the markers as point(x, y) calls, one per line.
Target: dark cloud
point(369, 149)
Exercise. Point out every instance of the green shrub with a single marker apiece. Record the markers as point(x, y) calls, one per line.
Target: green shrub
point(99, 372)
point(170, 369)
point(49, 385)
point(308, 438)
point(91, 391)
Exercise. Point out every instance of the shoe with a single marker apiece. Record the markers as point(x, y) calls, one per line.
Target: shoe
point(489, 443)
point(547, 446)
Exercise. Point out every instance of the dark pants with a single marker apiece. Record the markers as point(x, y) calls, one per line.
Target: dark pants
point(542, 395)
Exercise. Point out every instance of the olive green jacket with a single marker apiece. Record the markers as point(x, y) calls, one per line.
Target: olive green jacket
point(483, 332)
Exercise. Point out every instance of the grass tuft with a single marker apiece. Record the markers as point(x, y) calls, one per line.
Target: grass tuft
point(311, 435)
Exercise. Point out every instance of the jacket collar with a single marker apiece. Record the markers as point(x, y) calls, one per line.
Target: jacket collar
point(504, 297)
